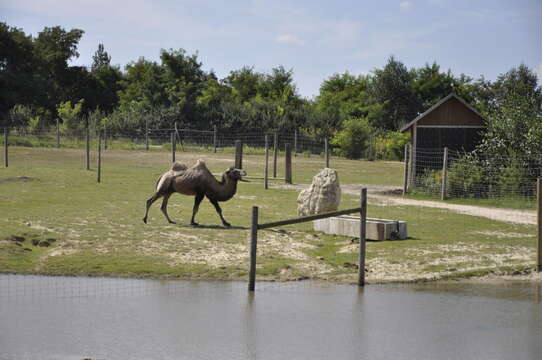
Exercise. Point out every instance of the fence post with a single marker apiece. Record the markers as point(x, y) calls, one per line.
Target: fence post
point(326, 151)
point(6, 162)
point(539, 220)
point(173, 146)
point(88, 147)
point(147, 134)
point(57, 133)
point(99, 174)
point(295, 142)
point(275, 151)
point(288, 162)
point(253, 246)
point(444, 174)
point(238, 154)
point(362, 233)
point(266, 173)
point(405, 173)
point(105, 137)
point(412, 168)
point(215, 137)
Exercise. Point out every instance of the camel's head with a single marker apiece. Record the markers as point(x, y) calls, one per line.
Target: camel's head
point(235, 174)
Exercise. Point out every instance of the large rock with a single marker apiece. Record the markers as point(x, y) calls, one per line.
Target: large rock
point(323, 195)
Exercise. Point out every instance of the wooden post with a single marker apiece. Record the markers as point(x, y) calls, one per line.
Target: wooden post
point(362, 233)
point(88, 147)
point(539, 208)
point(6, 162)
point(146, 134)
point(253, 248)
point(405, 173)
point(173, 146)
point(288, 164)
point(99, 174)
point(57, 133)
point(295, 142)
point(266, 174)
point(105, 137)
point(238, 154)
point(444, 174)
point(275, 151)
point(326, 151)
point(215, 137)
point(413, 151)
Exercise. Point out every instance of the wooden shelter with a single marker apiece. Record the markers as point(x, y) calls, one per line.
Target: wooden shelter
point(450, 123)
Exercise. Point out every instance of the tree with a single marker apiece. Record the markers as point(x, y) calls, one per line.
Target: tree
point(345, 94)
point(143, 83)
point(392, 88)
point(54, 47)
point(514, 116)
point(431, 85)
point(18, 81)
point(100, 58)
point(353, 140)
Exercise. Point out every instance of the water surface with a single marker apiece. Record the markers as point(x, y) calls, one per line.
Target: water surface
point(103, 318)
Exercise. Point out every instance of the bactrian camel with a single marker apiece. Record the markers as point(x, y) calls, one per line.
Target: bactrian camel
point(197, 181)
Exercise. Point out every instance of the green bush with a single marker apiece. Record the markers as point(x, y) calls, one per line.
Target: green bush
point(390, 146)
point(430, 182)
point(466, 178)
point(353, 140)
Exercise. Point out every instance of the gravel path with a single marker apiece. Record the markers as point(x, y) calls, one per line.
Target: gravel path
point(380, 194)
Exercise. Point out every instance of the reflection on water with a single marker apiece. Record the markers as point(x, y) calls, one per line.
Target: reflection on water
point(104, 318)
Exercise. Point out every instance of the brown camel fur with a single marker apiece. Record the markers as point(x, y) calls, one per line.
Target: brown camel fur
point(197, 181)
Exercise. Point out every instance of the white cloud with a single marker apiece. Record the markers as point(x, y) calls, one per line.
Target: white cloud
point(289, 39)
point(406, 4)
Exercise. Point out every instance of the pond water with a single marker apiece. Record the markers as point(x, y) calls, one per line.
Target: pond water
point(104, 318)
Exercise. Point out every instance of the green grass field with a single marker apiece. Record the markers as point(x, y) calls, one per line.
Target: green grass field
point(98, 228)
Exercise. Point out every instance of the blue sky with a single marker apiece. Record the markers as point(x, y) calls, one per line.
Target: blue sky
point(315, 38)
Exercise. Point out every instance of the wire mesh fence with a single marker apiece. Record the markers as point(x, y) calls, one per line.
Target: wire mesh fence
point(456, 174)
point(214, 139)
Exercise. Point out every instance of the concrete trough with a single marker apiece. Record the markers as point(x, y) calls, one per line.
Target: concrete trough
point(377, 229)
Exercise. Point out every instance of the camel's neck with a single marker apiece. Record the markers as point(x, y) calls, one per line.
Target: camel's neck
point(226, 189)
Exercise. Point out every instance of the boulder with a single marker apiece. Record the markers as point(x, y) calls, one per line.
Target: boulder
point(323, 195)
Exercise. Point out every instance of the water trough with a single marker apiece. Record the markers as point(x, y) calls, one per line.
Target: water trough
point(377, 229)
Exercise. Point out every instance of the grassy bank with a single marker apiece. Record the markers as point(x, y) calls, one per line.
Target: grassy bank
point(97, 228)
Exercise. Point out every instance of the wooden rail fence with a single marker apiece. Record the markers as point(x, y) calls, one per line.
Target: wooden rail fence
point(255, 226)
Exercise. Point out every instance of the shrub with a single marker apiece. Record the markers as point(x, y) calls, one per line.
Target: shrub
point(390, 146)
point(430, 182)
point(466, 178)
point(353, 140)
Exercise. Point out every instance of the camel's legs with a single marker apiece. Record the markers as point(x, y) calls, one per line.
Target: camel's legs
point(164, 208)
point(197, 201)
point(219, 211)
point(151, 200)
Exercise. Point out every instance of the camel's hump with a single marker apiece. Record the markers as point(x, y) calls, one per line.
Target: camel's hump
point(200, 164)
point(177, 166)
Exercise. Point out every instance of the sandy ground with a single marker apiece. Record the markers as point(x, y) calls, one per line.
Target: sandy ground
point(380, 194)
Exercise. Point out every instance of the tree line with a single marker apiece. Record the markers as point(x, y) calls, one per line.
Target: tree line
point(38, 86)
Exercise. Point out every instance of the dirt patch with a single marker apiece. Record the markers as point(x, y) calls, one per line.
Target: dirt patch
point(502, 235)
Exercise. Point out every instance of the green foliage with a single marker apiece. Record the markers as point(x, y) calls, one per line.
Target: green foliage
point(70, 116)
point(514, 120)
point(392, 87)
point(20, 116)
point(430, 182)
point(390, 145)
point(353, 140)
point(466, 178)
